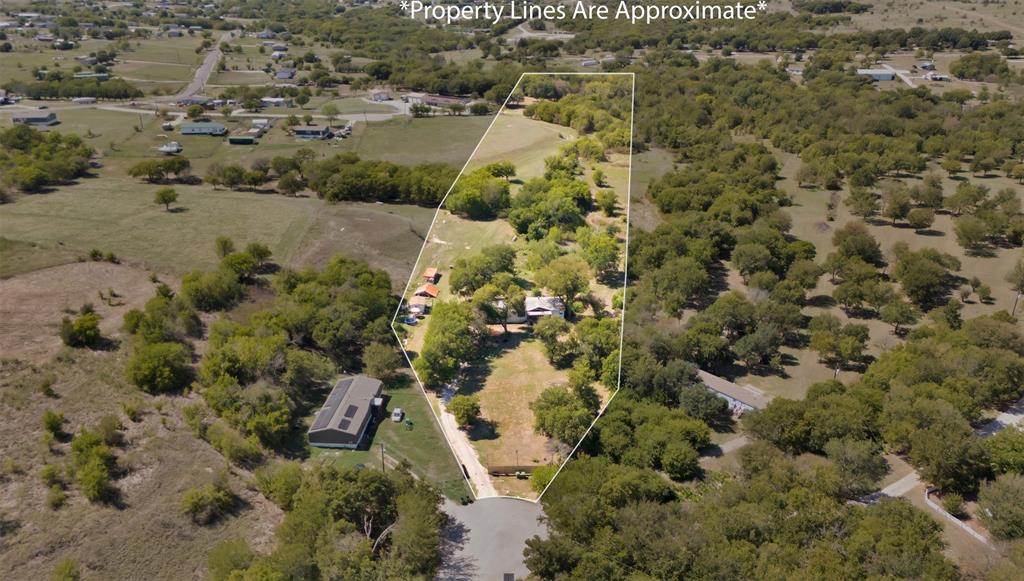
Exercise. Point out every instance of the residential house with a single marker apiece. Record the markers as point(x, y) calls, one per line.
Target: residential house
point(203, 129)
point(537, 307)
point(431, 274)
point(352, 406)
point(311, 131)
point(877, 74)
point(427, 290)
point(275, 102)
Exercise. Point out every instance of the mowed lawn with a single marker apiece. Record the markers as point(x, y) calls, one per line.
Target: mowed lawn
point(423, 446)
point(117, 214)
point(513, 377)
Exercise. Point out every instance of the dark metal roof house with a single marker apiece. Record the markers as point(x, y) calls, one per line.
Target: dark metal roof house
point(347, 413)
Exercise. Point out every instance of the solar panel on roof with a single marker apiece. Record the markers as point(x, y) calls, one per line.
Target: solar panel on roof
point(322, 419)
point(351, 411)
point(344, 424)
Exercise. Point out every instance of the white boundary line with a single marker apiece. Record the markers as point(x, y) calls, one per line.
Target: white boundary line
point(625, 277)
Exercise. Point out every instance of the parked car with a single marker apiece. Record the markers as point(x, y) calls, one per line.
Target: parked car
point(397, 415)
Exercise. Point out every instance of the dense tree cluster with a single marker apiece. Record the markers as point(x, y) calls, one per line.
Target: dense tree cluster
point(344, 524)
point(615, 521)
point(920, 398)
point(112, 89)
point(31, 160)
point(346, 177)
point(601, 108)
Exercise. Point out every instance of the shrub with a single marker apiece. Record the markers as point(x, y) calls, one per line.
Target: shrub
point(279, 482)
point(66, 570)
point(159, 367)
point(235, 447)
point(953, 503)
point(211, 291)
point(52, 475)
point(56, 497)
point(207, 503)
point(83, 331)
point(53, 422)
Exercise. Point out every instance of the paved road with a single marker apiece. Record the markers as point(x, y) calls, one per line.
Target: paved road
point(485, 540)
point(204, 71)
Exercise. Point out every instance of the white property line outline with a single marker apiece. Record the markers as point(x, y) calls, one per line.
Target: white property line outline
point(625, 278)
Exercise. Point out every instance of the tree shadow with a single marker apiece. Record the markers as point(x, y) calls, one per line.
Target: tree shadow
point(930, 232)
point(177, 210)
point(484, 430)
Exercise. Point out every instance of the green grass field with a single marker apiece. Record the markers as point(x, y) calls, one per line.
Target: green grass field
point(17, 257)
point(117, 214)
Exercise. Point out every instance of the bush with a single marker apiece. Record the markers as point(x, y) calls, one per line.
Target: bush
point(53, 422)
point(83, 331)
point(542, 476)
point(66, 570)
point(159, 367)
point(207, 503)
point(56, 497)
point(465, 408)
point(211, 291)
point(93, 479)
point(279, 482)
point(52, 475)
point(953, 503)
point(235, 447)
point(227, 556)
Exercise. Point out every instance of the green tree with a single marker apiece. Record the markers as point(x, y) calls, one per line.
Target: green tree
point(971, 232)
point(1005, 450)
point(83, 331)
point(165, 197)
point(159, 367)
point(900, 312)
point(566, 276)
point(195, 111)
point(1000, 506)
point(465, 409)
point(381, 361)
point(921, 218)
point(607, 201)
point(330, 111)
point(291, 183)
point(227, 556)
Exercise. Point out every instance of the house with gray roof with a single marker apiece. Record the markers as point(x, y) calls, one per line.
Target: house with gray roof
point(349, 411)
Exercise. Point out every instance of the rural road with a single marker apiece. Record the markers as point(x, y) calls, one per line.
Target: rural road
point(485, 539)
point(467, 455)
point(204, 71)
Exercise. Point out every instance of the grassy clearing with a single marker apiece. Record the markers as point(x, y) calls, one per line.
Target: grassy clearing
point(524, 142)
point(17, 257)
point(154, 71)
point(423, 446)
point(117, 214)
point(165, 50)
point(515, 371)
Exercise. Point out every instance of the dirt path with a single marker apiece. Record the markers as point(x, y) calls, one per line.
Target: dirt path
point(467, 455)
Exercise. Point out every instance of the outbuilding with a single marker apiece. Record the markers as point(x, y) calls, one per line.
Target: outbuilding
point(877, 74)
point(36, 119)
point(203, 129)
point(311, 131)
point(351, 408)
